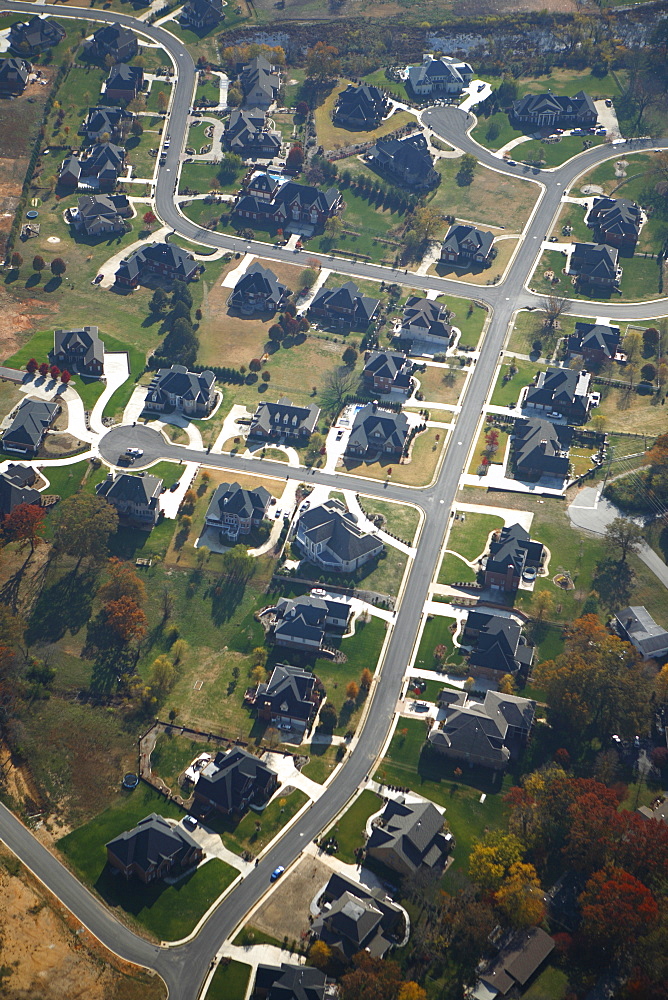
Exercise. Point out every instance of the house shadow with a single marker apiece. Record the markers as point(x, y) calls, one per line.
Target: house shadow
point(446, 270)
point(132, 895)
point(612, 581)
point(433, 766)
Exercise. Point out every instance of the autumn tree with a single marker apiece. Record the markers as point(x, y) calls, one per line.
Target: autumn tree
point(148, 218)
point(542, 604)
point(16, 260)
point(371, 979)
point(25, 524)
point(163, 101)
point(122, 582)
point(492, 858)
point(258, 674)
point(366, 679)
point(83, 524)
point(38, 263)
point(162, 677)
point(520, 897)
point(322, 62)
point(553, 306)
point(617, 909)
point(352, 690)
point(411, 991)
point(623, 536)
point(467, 165)
point(320, 954)
point(125, 619)
point(58, 267)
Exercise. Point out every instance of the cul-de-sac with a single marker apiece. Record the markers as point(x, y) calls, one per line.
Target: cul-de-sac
point(333, 500)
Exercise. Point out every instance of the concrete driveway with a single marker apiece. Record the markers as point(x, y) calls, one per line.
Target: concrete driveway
point(116, 371)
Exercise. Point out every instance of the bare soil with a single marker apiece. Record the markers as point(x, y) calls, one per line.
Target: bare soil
point(20, 318)
point(286, 911)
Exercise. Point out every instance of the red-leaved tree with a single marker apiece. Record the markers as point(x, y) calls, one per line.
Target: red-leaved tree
point(44, 369)
point(54, 372)
point(25, 524)
point(32, 366)
point(65, 377)
point(617, 909)
point(126, 619)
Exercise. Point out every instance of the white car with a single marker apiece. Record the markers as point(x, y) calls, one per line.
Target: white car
point(135, 452)
point(595, 398)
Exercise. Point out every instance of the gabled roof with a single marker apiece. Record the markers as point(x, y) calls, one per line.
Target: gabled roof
point(290, 982)
point(616, 217)
point(262, 281)
point(306, 617)
point(641, 629)
point(561, 388)
point(497, 647)
point(335, 528)
point(376, 428)
point(87, 338)
point(513, 710)
point(346, 298)
point(426, 317)
point(270, 417)
point(14, 72)
point(467, 240)
point(127, 488)
point(232, 777)
point(104, 118)
point(231, 498)
point(412, 832)
point(519, 960)
point(596, 260)
point(152, 841)
point(409, 155)
point(364, 103)
point(596, 337)
point(510, 550)
point(32, 418)
point(262, 182)
point(288, 691)
point(535, 105)
point(104, 205)
point(359, 918)
point(122, 76)
point(36, 33)
point(112, 37)
point(159, 254)
point(16, 488)
point(388, 365)
point(542, 445)
point(178, 381)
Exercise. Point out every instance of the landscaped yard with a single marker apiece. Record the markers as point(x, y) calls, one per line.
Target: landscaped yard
point(639, 282)
point(469, 537)
point(454, 570)
point(171, 755)
point(368, 232)
point(230, 981)
point(507, 389)
point(332, 137)
point(480, 451)
point(437, 632)
point(401, 519)
point(553, 154)
point(477, 274)
point(322, 762)
point(425, 452)
point(349, 830)
point(255, 829)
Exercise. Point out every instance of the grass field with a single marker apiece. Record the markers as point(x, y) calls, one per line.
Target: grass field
point(508, 392)
point(529, 327)
point(640, 279)
point(553, 154)
point(469, 537)
point(479, 452)
point(368, 232)
point(491, 199)
point(436, 632)
point(400, 519)
point(454, 570)
point(322, 762)
point(441, 385)
point(229, 982)
point(332, 137)
point(254, 830)
point(349, 830)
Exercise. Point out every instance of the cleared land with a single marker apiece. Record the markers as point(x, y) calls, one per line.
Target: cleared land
point(332, 137)
point(491, 199)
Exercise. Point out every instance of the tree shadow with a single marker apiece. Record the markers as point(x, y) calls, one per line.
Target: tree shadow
point(53, 284)
point(12, 276)
point(613, 580)
point(33, 280)
point(63, 607)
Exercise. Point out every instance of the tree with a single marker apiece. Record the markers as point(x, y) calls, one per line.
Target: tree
point(542, 604)
point(553, 306)
point(339, 384)
point(316, 443)
point(258, 674)
point(320, 954)
point(82, 526)
point(16, 260)
point(266, 376)
point(507, 684)
point(148, 218)
point(162, 677)
point(425, 223)
point(352, 690)
point(25, 524)
point(411, 991)
point(371, 979)
point(125, 619)
point(162, 101)
point(38, 263)
point(520, 897)
point(350, 355)
point(617, 909)
point(322, 63)
point(231, 165)
point(58, 267)
point(44, 369)
point(122, 582)
point(159, 300)
point(467, 166)
point(366, 679)
point(623, 536)
point(137, 128)
point(328, 717)
point(234, 97)
point(307, 278)
point(65, 377)
point(302, 108)
point(295, 157)
point(181, 293)
point(633, 345)
point(492, 858)
point(54, 372)
point(32, 366)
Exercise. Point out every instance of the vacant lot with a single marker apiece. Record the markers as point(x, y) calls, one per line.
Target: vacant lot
point(491, 199)
point(637, 412)
point(285, 913)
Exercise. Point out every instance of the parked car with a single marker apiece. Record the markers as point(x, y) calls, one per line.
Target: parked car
point(595, 398)
point(135, 452)
point(277, 872)
point(608, 102)
point(174, 487)
point(190, 822)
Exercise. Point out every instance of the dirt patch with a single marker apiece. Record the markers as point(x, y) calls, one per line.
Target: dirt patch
point(286, 911)
point(19, 318)
point(48, 954)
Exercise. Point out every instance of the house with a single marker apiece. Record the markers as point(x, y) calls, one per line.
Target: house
point(113, 40)
point(362, 107)
point(596, 264)
point(387, 370)
point(259, 82)
point(34, 36)
point(439, 76)
point(16, 488)
point(160, 260)
point(377, 430)
point(510, 556)
point(101, 214)
point(136, 498)
point(289, 982)
point(97, 169)
point(235, 511)
point(548, 110)
point(32, 419)
point(14, 75)
point(124, 82)
point(564, 391)
point(202, 14)
point(541, 448)
point(246, 134)
point(515, 965)
point(498, 646)
point(301, 622)
point(636, 625)
point(232, 781)
point(596, 342)
point(345, 306)
point(356, 917)
point(409, 836)
point(406, 161)
point(657, 811)
point(426, 321)
point(175, 388)
point(292, 203)
point(616, 221)
point(466, 245)
point(479, 734)
point(329, 537)
point(263, 185)
point(289, 699)
point(106, 122)
point(283, 419)
point(258, 290)
point(153, 849)
point(79, 351)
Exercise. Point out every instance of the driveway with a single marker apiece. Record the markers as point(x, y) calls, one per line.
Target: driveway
point(116, 372)
point(170, 502)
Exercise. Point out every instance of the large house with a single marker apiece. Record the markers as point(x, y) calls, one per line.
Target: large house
point(362, 107)
point(482, 735)
point(377, 430)
point(564, 391)
point(510, 556)
point(549, 110)
point(246, 134)
point(235, 511)
point(202, 14)
point(439, 76)
point(406, 161)
point(36, 35)
point(284, 419)
point(616, 221)
point(260, 82)
point(408, 836)
point(79, 351)
point(636, 625)
point(355, 917)
point(14, 75)
point(465, 245)
point(263, 184)
point(175, 388)
point(345, 306)
point(259, 290)
point(329, 537)
point(426, 321)
point(135, 498)
point(289, 699)
point(541, 448)
point(101, 214)
point(113, 40)
point(302, 622)
point(32, 419)
point(96, 169)
point(104, 121)
point(516, 964)
point(596, 342)
point(153, 849)
point(387, 370)
point(292, 203)
point(17, 487)
point(124, 82)
point(160, 260)
point(289, 982)
point(497, 645)
point(595, 264)
point(232, 781)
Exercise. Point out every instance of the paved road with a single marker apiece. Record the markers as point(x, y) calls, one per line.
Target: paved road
point(184, 967)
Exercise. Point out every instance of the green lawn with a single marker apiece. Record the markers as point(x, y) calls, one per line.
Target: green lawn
point(171, 755)
point(529, 327)
point(349, 830)
point(550, 984)
point(362, 650)
point(229, 982)
point(436, 632)
point(400, 519)
point(469, 537)
point(138, 147)
point(246, 835)
point(66, 479)
point(640, 280)
point(168, 912)
point(553, 154)
point(455, 570)
point(368, 231)
point(379, 79)
point(322, 762)
point(208, 89)
point(508, 392)
point(484, 131)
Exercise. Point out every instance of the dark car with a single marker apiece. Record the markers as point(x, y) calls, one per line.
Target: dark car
point(174, 487)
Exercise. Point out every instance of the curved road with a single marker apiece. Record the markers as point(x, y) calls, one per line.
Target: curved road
point(184, 967)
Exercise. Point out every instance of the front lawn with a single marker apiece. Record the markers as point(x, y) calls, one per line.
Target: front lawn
point(553, 154)
point(480, 451)
point(419, 471)
point(322, 762)
point(639, 282)
point(495, 131)
point(229, 981)
point(349, 830)
point(401, 519)
point(255, 829)
point(332, 137)
point(437, 632)
point(469, 537)
point(454, 570)
point(508, 387)
point(368, 232)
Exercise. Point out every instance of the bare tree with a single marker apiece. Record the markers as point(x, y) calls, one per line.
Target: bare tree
point(553, 306)
point(339, 384)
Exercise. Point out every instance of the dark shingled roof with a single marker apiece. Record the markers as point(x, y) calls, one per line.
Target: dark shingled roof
point(232, 777)
point(127, 488)
point(542, 445)
point(231, 498)
point(637, 625)
point(498, 645)
point(467, 241)
point(290, 982)
point(36, 34)
point(32, 418)
point(87, 337)
point(413, 832)
point(272, 417)
point(519, 960)
point(288, 692)
point(425, 317)
point(375, 429)
point(389, 365)
point(361, 104)
point(346, 298)
point(617, 217)
point(331, 526)
point(152, 841)
point(594, 260)
point(595, 337)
